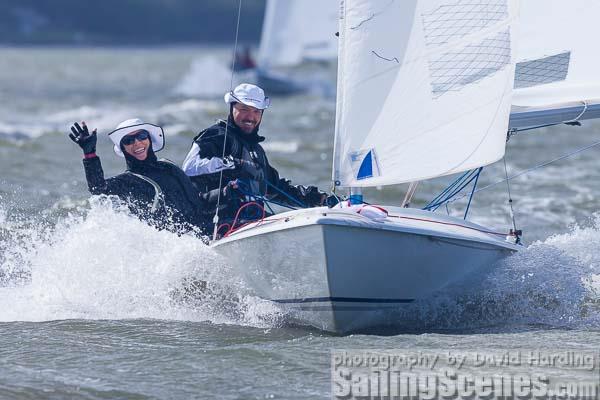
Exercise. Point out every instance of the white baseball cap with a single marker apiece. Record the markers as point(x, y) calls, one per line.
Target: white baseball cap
point(248, 94)
point(157, 135)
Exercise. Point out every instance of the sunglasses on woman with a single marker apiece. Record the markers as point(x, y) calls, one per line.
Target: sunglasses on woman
point(130, 139)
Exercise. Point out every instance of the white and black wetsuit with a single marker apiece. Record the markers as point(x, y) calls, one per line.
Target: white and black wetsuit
point(157, 191)
point(204, 163)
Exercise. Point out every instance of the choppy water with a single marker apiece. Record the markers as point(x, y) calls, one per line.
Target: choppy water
point(90, 301)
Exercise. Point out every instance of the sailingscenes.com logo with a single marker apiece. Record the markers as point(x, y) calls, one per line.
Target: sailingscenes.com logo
point(531, 374)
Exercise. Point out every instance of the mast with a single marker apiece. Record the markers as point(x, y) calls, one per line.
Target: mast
point(356, 196)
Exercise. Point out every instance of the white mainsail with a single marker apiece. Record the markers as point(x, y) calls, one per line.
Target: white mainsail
point(558, 59)
point(558, 62)
point(298, 30)
point(424, 88)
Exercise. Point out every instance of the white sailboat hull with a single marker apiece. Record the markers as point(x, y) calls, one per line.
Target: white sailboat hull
point(341, 272)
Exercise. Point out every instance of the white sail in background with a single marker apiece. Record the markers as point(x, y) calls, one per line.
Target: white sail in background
point(424, 88)
point(298, 30)
point(558, 57)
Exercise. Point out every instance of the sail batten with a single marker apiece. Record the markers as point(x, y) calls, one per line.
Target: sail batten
point(424, 88)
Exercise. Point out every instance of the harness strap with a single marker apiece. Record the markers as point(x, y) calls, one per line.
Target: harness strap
point(158, 194)
point(167, 161)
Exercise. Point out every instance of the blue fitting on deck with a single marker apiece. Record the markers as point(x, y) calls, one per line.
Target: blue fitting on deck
point(356, 198)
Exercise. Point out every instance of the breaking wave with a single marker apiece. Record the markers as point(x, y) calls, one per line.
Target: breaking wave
point(553, 283)
point(101, 263)
point(98, 262)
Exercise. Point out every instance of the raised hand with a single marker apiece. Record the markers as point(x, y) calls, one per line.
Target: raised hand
point(83, 138)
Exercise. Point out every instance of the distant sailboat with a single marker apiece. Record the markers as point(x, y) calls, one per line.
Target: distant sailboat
point(295, 32)
point(424, 90)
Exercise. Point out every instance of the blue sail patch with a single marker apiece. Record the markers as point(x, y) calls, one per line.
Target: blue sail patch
point(364, 164)
point(366, 167)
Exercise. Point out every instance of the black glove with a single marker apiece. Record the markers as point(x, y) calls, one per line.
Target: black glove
point(83, 138)
point(230, 190)
point(231, 160)
point(251, 170)
point(228, 162)
point(226, 196)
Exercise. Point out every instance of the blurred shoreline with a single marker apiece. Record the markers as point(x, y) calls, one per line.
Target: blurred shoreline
point(128, 22)
point(115, 46)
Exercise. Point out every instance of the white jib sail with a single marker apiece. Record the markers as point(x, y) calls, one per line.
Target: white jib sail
point(424, 88)
point(557, 55)
point(298, 30)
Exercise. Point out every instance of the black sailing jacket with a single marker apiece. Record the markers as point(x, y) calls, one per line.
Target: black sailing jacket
point(258, 171)
point(179, 208)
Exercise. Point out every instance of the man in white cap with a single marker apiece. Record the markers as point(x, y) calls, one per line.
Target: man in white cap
point(157, 191)
point(233, 147)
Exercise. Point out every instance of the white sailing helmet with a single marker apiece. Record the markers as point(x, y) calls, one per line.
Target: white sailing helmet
point(248, 94)
point(157, 135)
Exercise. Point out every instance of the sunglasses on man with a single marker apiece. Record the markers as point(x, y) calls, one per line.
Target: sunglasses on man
point(130, 139)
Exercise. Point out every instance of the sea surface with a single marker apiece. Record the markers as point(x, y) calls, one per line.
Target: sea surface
point(89, 304)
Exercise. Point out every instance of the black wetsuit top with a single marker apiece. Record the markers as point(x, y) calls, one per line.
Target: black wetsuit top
point(181, 208)
point(262, 179)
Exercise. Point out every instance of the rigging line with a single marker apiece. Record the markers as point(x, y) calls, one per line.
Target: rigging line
point(237, 31)
point(473, 192)
point(412, 188)
point(257, 198)
point(450, 224)
point(450, 188)
point(510, 201)
point(446, 200)
point(298, 202)
point(582, 149)
point(435, 204)
point(576, 119)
